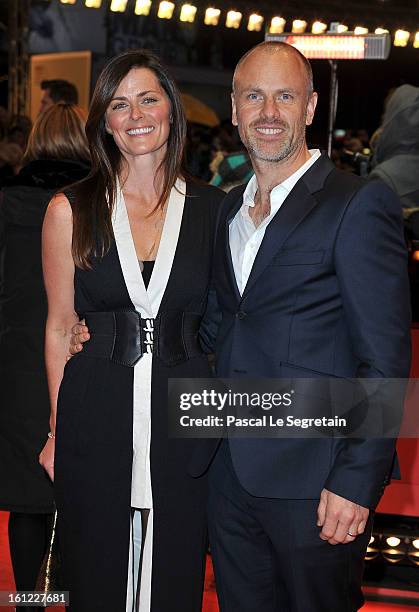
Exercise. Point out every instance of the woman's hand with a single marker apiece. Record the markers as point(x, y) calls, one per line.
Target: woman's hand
point(46, 457)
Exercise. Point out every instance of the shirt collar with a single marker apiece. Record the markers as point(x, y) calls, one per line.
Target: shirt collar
point(283, 188)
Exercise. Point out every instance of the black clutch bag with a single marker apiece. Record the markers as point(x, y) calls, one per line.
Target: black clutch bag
point(50, 573)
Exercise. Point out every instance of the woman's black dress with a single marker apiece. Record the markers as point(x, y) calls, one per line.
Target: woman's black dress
point(94, 441)
point(24, 404)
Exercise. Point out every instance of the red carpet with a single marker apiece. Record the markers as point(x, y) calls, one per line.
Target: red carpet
point(210, 598)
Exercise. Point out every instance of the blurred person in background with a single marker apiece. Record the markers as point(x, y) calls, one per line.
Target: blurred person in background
point(10, 160)
point(57, 155)
point(396, 146)
point(57, 90)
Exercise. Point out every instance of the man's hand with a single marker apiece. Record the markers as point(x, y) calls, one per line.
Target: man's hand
point(79, 335)
point(340, 517)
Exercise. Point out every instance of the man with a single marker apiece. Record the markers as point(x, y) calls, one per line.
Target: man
point(57, 90)
point(310, 279)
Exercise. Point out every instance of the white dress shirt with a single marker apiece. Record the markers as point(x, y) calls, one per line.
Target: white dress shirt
point(245, 238)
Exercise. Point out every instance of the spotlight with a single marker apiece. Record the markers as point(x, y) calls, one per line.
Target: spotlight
point(166, 9)
point(212, 16)
point(359, 30)
point(318, 27)
point(416, 41)
point(277, 25)
point(401, 38)
point(381, 31)
point(373, 549)
point(119, 6)
point(233, 19)
point(68, 1)
point(342, 28)
point(393, 542)
point(188, 13)
point(93, 3)
point(255, 23)
point(142, 7)
point(299, 26)
point(415, 544)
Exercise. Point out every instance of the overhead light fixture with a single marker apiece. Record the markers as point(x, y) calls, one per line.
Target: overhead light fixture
point(166, 9)
point(188, 13)
point(360, 30)
point(93, 3)
point(142, 7)
point(318, 27)
point(337, 46)
point(255, 23)
point(299, 26)
point(68, 1)
point(119, 6)
point(381, 31)
point(416, 45)
point(401, 38)
point(277, 25)
point(212, 16)
point(342, 28)
point(233, 19)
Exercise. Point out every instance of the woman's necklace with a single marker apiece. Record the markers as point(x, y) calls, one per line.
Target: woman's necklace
point(158, 229)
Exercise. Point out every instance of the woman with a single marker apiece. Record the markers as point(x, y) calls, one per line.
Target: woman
point(133, 237)
point(57, 155)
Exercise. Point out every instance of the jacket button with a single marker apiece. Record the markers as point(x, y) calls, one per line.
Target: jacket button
point(241, 314)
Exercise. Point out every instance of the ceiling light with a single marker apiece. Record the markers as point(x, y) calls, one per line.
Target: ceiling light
point(119, 6)
point(255, 23)
point(360, 30)
point(277, 25)
point(142, 7)
point(188, 13)
point(166, 9)
point(233, 19)
point(299, 26)
point(93, 3)
point(401, 38)
point(212, 16)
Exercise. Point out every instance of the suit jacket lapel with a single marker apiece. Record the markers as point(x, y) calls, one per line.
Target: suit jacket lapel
point(231, 211)
point(295, 208)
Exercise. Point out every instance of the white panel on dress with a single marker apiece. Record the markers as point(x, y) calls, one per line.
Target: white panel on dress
point(147, 303)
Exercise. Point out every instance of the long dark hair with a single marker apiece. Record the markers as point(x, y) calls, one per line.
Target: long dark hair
point(94, 197)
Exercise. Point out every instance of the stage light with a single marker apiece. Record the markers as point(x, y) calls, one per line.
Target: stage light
point(142, 7)
point(381, 31)
point(342, 28)
point(318, 27)
point(233, 19)
point(255, 23)
point(415, 544)
point(359, 30)
point(119, 6)
point(68, 1)
point(393, 541)
point(299, 26)
point(165, 10)
point(93, 3)
point(416, 41)
point(277, 25)
point(212, 16)
point(401, 38)
point(188, 13)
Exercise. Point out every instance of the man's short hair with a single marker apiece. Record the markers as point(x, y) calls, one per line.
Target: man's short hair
point(61, 91)
point(273, 45)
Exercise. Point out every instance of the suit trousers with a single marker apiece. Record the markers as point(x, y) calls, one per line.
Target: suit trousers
point(267, 553)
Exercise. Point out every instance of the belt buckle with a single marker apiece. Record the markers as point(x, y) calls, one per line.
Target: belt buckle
point(147, 336)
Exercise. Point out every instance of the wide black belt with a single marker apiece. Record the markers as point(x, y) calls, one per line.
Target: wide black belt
point(124, 337)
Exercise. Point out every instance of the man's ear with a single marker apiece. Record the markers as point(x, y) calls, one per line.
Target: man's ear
point(311, 108)
point(233, 110)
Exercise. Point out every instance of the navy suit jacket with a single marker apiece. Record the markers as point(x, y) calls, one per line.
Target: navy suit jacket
point(328, 295)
